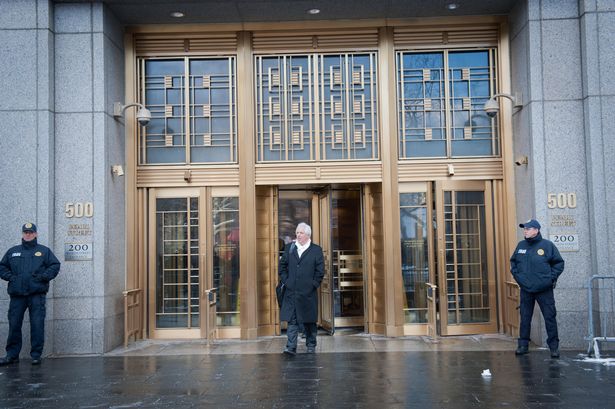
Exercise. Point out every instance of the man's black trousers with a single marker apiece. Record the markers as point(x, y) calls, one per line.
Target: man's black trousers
point(293, 330)
point(546, 302)
point(35, 304)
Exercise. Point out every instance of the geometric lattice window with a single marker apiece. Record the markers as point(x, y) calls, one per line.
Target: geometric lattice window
point(348, 107)
point(316, 107)
point(204, 130)
point(285, 128)
point(440, 99)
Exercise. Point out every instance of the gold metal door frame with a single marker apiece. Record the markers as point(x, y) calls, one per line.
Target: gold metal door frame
point(429, 328)
point(207, 294)
point(216, 331)
point(489, 326)
point(173, 333)
point(322, 200)
point(347, 267)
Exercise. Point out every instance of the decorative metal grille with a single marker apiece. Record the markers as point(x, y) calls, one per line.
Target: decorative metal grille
point(212, 111)
point(467, 283)
point(206, 132)
point(316, 107)
point(349, 125)
point(471, 76)
point(440, 104)
point(177, 287)
point(284, 99)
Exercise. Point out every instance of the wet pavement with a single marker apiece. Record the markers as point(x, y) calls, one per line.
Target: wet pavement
point(392, 373)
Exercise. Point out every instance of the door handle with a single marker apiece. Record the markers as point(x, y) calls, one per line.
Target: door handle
point(431, 290)
point(211, 295)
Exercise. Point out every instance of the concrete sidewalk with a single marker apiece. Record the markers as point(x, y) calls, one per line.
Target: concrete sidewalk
point(352, 342)
point(380, 372)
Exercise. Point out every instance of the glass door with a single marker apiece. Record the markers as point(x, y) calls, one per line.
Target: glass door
point(176, 264)
point(346, 248)
point(193, 263)
point(465, 261)
point(417, 259)
point(223, 206)
point(326, 310)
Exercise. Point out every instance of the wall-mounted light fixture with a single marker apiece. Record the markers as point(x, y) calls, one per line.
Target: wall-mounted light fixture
point(143, 114)
point(521, 160)
point(492, 107)
point(117, 170)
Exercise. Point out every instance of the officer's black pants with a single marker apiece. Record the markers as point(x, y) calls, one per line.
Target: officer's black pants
point(35, 304)
point(546, 301)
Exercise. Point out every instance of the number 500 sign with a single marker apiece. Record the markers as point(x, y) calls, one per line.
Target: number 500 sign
point(562, 200)
point(79, 209)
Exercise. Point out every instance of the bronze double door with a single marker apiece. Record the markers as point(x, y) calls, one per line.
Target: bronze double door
point(193, 263)
point(448, 233)
point(335, 216)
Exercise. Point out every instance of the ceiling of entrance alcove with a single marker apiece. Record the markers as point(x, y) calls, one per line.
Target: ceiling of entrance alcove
point(132, 12)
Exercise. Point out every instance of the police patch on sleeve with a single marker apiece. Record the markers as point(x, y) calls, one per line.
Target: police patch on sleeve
point(38, 254)
point(541, 252)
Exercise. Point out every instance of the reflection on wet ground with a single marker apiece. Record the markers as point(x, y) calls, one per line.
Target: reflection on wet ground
point(388, 379)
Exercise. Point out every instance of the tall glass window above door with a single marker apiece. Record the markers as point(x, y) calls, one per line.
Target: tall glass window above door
point(193, 105)
point(440, 104)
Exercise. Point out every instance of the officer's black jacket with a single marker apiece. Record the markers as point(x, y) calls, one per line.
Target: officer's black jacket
point(536, 264)
point(28, 268)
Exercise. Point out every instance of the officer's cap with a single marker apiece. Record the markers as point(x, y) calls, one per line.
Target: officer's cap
point(529, 224)
point(30, 227)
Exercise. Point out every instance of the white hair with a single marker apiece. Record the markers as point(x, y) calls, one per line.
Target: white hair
point(306, 228)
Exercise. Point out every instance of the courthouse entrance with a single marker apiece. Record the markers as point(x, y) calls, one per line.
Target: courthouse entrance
point(335, 215)
point(375, 136)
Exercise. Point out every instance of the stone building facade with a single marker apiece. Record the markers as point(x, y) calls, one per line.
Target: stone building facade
point(63, 65)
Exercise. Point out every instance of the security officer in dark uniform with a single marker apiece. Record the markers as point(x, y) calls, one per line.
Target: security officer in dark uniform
point(536, 264)
point(28, 268)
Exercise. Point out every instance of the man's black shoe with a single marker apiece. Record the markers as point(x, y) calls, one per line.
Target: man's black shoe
point(8, 361)
point(311, 350)
point(555, 353)
point(522, 351)
point(36, 361)
point(290, 351)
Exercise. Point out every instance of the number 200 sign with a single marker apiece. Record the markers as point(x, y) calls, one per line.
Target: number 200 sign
point(562, 200)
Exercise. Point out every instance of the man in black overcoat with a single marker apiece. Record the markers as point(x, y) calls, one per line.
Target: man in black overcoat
point(302, 268)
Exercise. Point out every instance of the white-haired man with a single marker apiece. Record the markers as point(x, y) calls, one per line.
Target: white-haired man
point(302, 268)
